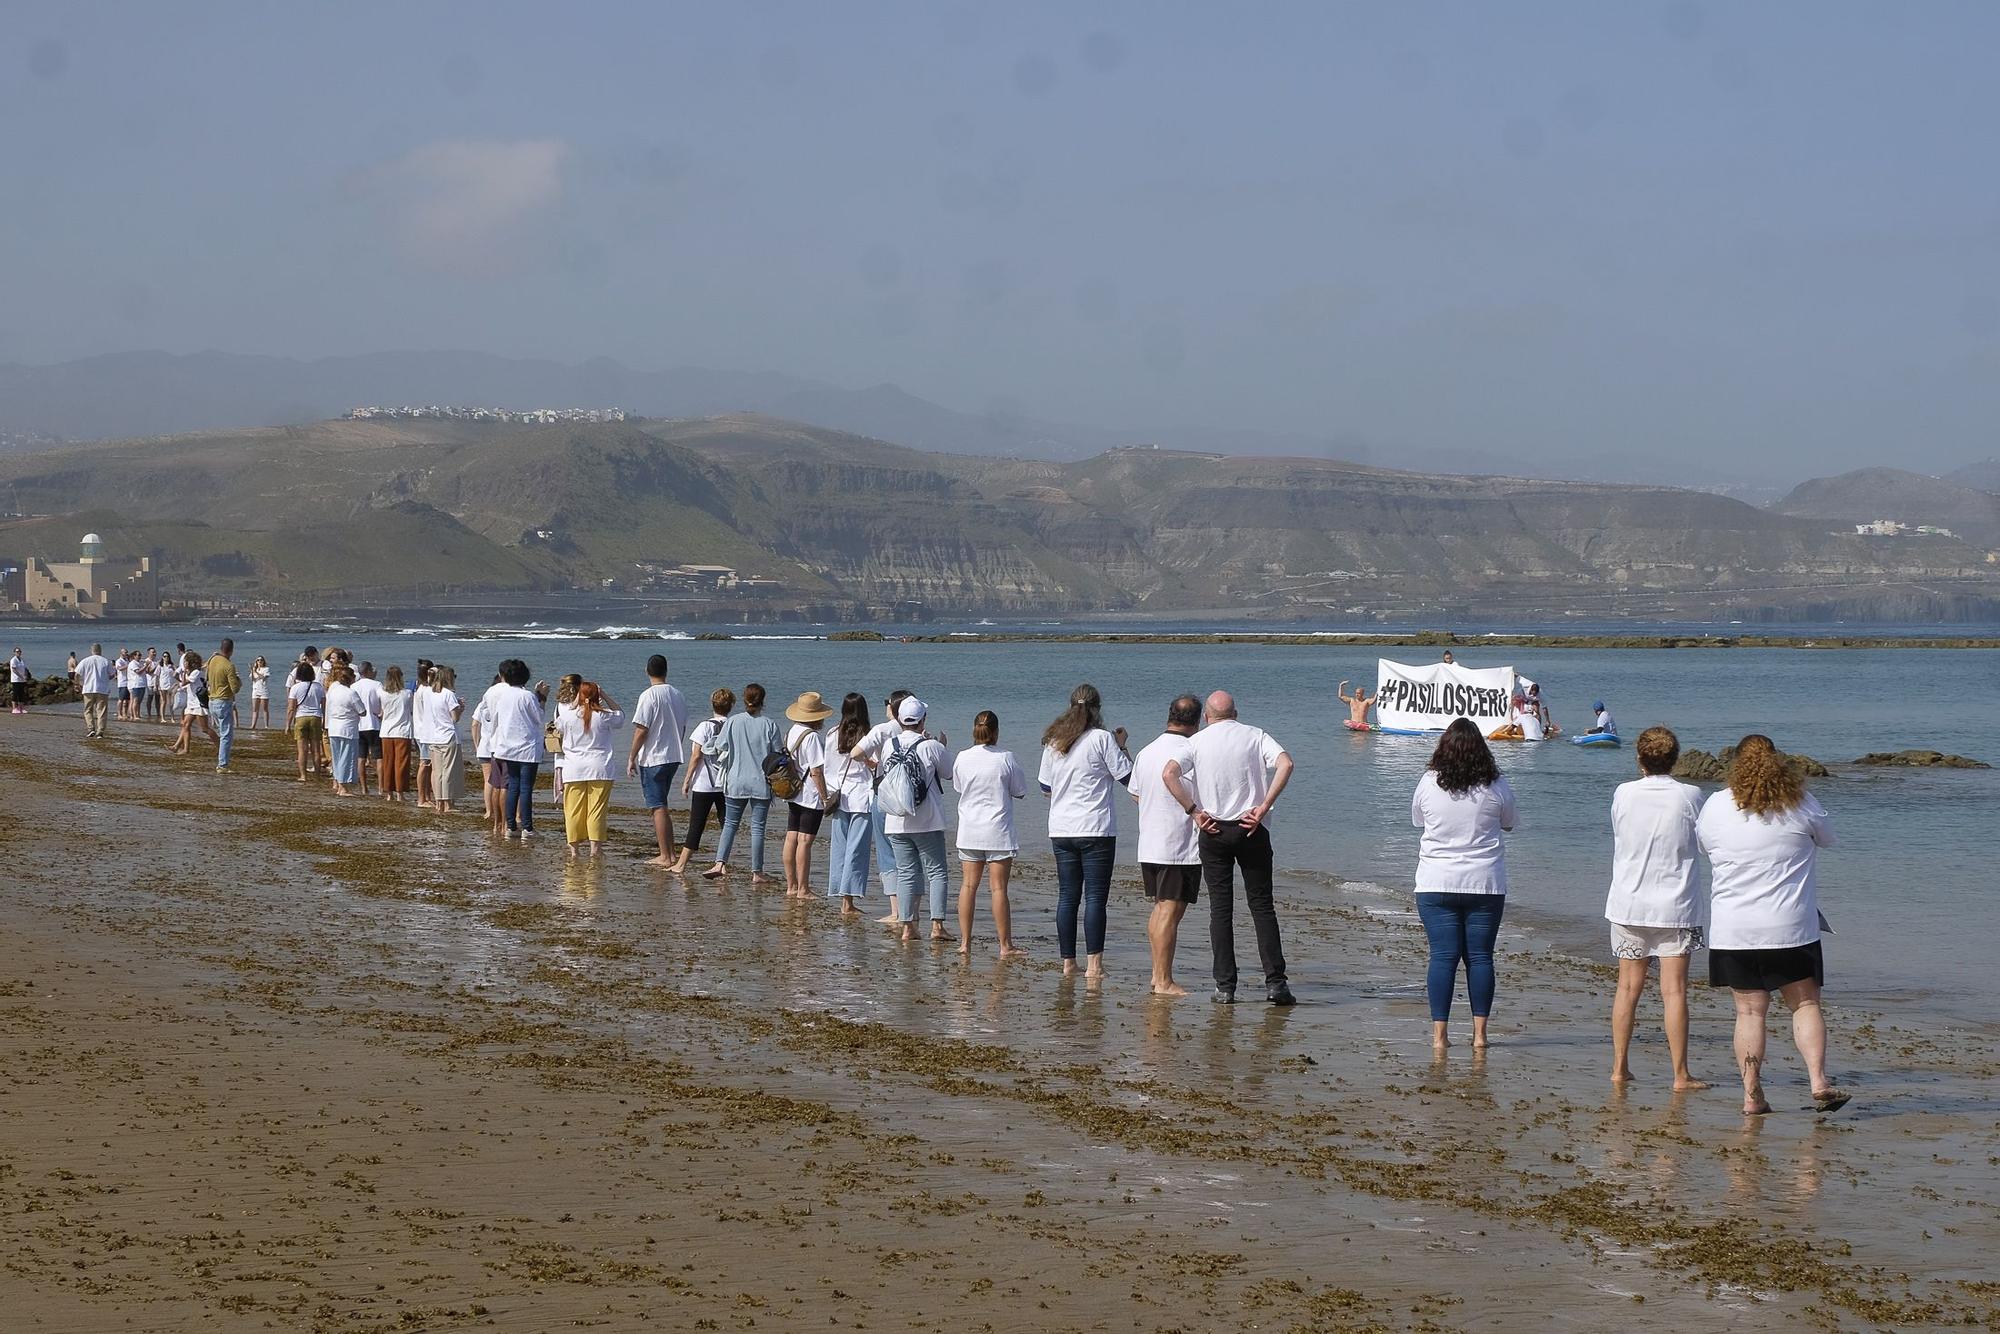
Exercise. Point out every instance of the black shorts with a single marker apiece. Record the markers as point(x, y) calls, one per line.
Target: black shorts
point(371, 745)
point(20, 691)
point(1765, 970)
point(1171, 884)
point(802, 819)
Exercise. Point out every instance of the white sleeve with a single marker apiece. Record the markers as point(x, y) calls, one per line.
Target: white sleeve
point(1509, 817)
point(1417, 802)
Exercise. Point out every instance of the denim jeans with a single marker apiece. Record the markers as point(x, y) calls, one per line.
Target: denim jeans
point(885, 856)
point(1083, 875)
point(224, 713)
point(518, 798)
point(1460, 927)
point(847, 857)
point(919, 858)
point(732, 819)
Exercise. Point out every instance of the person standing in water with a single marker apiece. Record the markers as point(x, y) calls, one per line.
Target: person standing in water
point(1169, 843)
point(1464, 807)
point(659, 726)
point(805, 809)
point(988, 781)
point(223, 685)
point(1654, 905)
point(852, 784)
point(588, 734)
point(1083, 765)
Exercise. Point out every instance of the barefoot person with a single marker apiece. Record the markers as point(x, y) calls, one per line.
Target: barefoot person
point(851, 784)
point(1358, 705)
point(260, 694)
point(1762, 835)
point(344, 712)
point(434, 718)
point(1169, 843)
point(1083, 766)
point(1464, 807)
point(397, 735)
point(1239, 773)
point(988, 781)
point(701, 782)
point(748, 742)
point(805, 809)
point(1654, 905)
point(659, 725)
point(589, 736)
point(910, 769)
point(305, 717)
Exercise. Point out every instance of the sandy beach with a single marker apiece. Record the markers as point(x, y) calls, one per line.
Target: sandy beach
point(277, 1060)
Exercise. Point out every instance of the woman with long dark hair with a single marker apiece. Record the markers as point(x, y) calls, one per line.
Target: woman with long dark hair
point(852, 784)
point(701, 781)
point(1083, 766)
point(1464, 807)
point(1762, 835)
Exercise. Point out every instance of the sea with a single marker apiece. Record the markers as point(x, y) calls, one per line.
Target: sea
point(1909, 890)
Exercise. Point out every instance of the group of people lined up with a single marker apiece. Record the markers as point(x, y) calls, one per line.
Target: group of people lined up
point(1204, 792)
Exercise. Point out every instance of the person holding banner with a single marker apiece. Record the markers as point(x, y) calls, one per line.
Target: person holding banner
point(1464, 807)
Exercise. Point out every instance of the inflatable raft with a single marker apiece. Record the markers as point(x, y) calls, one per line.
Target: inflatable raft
point(1596, 739)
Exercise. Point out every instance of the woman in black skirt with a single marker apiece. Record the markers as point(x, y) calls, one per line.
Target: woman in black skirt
point(1762, 835)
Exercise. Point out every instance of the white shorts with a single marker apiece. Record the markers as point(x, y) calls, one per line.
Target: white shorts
point(1654, 942)
point(977, 856)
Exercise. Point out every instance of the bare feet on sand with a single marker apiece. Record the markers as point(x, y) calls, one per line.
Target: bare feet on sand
point(1168, 988)
point(1012, 951)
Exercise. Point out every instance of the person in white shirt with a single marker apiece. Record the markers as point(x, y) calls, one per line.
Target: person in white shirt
point(343, 728)
point(434, 719)
point(1464, 807)
point(260, 694)
point(701, 780)
point(988, 781)
point(1762, 835)
point(885, 856)
point(659, 722)
point(916, 840)
point(805, 810)
point(93, 682)
point(1083, 765)
point(18, 677)
point(1605, 725)
point(492, 774)
point(370, 751)
point(1527, 715)
point(1239, 773)
point(589, 746)
point(1169, 843)
point(1654, 905)
point(512, 738)
point(851, 785)
point(397, 735)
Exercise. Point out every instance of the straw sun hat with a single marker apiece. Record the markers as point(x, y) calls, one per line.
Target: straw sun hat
point(809, 708)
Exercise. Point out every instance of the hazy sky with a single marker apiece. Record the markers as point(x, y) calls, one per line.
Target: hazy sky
point(1559, 231)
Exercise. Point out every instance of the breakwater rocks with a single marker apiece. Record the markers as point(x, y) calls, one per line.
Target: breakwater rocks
point(1698, 766)
point(1919, 759)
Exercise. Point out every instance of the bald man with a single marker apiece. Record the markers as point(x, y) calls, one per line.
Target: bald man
point(1230, 780)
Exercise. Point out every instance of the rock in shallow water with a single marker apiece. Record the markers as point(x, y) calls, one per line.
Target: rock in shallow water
point(1920, 759)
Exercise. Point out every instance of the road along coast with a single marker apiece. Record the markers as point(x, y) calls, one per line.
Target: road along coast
point(280, 1060)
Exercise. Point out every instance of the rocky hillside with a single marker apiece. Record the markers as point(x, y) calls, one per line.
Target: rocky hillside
point(377, 510)
point(1907, 497)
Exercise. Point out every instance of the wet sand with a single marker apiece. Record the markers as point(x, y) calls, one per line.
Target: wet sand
point(281, 1060)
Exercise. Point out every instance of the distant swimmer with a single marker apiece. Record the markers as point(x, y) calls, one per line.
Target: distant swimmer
point(1448, 659)
point(1606, 724)
point(1358, 705)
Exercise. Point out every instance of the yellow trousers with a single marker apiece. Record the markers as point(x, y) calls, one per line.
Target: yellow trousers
point(587, 811)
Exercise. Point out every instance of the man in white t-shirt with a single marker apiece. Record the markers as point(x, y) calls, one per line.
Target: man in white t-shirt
point(1238, 774)
point(1169, 843)
point(93, 682)
point(659, 722)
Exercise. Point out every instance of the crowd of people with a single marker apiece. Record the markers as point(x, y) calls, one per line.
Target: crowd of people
point(1204, 791)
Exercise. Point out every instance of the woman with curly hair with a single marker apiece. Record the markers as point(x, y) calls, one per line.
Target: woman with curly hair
point(1762, 835)
point(1463, 806)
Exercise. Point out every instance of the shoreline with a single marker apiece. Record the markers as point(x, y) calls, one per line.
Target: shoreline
point(425, 1075)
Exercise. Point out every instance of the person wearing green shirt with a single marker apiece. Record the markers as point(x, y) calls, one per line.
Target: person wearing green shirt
point(223, 683)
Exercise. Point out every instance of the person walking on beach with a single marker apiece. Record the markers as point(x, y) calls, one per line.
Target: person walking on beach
point(93, 682)
point(17, 679)
point(194, 694)
point(1358, 705)
point(435, 714)
point(1762, 835)
point(748, 742)
point(805, 809)
point(1169, 842)
point(223, 685)
point(514, 725)
point(910, 770)
point(260, 694)
point(659, 724)
point(851, 785)
point(393, 775)
point(988, 781)
point(1239, 774)
point(701, 781)
point(1082, 767)
point(1654, 905)
point(1464, 807)
point(589, 746)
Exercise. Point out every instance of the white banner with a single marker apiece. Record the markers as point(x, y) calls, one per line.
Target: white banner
point(1430, 698)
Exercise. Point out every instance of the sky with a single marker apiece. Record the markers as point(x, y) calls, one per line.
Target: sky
point(1762, 238)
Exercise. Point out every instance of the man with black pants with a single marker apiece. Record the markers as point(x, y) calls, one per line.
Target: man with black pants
point(1237, 773)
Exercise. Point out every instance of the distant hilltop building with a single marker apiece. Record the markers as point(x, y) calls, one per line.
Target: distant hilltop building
point(536, 416)
point(1891, 528)
point(94, 585)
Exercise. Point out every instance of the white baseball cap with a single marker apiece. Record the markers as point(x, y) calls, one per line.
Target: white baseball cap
point(912, 712)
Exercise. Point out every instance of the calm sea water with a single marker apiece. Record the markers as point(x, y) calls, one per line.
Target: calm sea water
point(1910, 890)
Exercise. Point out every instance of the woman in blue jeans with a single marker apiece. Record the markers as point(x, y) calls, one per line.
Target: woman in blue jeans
point(1464, 807)
point(1083, 767)
point(747, 740)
